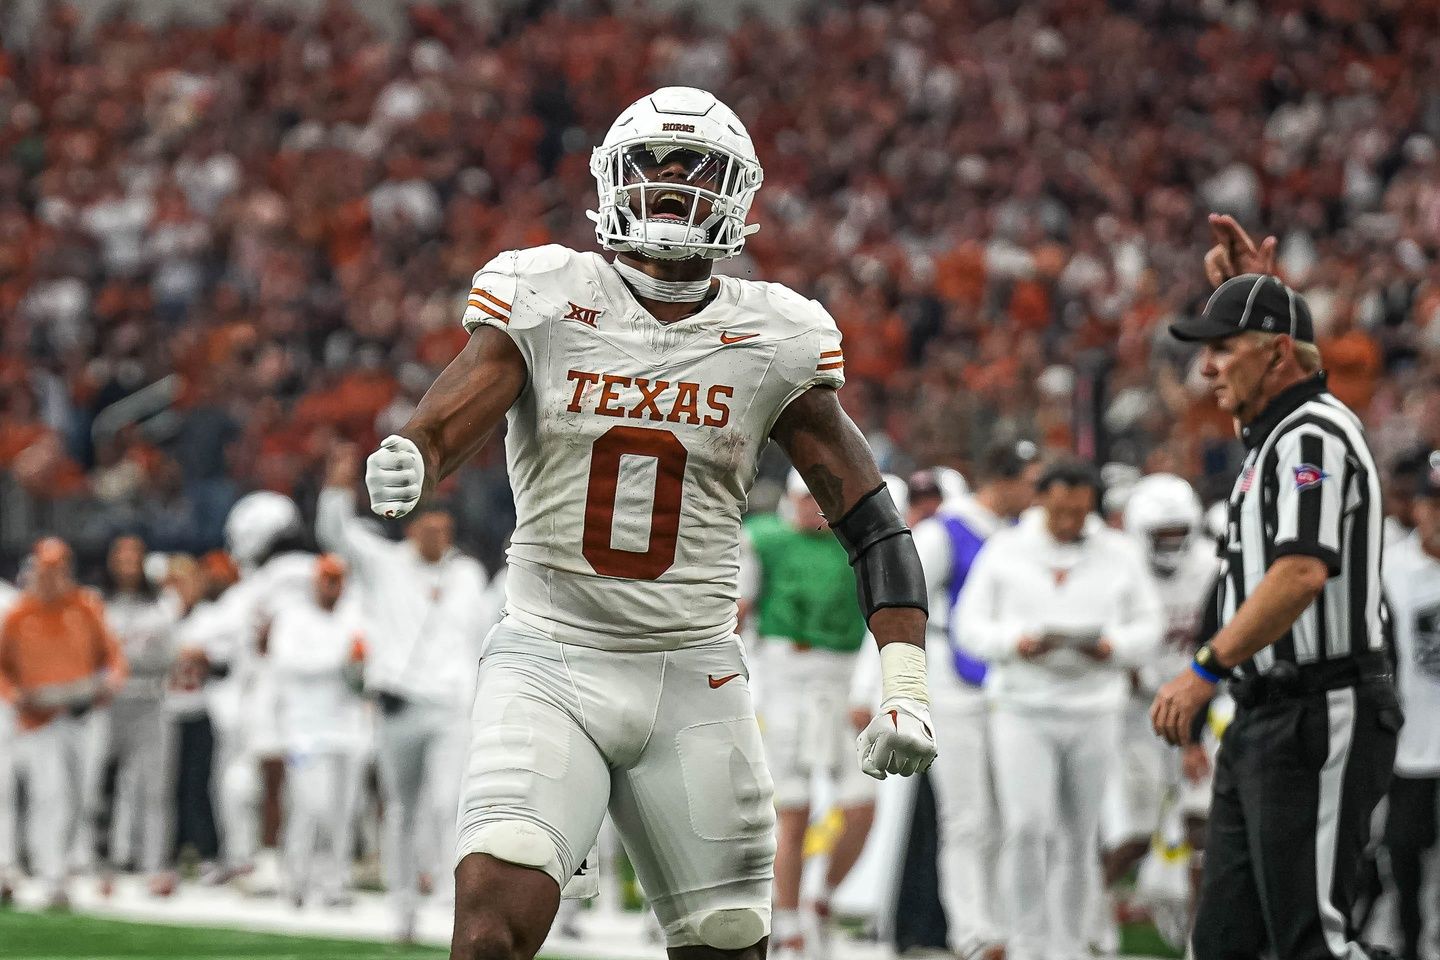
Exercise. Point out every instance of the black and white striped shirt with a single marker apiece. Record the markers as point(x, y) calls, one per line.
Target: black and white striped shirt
point(1309, 486)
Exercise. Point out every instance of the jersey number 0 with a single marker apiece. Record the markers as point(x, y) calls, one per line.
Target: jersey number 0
point(669, 455)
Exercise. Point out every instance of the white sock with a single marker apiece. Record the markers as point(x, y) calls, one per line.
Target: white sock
point(784, 925)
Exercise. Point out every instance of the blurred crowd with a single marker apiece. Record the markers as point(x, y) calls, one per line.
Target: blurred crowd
point(224, 247)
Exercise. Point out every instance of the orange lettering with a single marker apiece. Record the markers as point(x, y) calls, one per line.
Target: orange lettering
point(718, 406)
point(687, 399)
point(648, 397)
point(608, 395)
point(582, 380)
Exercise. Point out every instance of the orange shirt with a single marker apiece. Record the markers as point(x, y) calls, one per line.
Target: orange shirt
point(49, 644)
point(1353, 365)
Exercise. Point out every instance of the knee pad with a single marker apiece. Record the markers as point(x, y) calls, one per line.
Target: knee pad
point(733, 929)
point(515, 841)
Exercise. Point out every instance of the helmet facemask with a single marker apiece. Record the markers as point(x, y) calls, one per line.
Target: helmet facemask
point(1167, 548)
point(673, 197)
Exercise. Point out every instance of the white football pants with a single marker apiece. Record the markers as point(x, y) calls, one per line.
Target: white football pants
point(322, 789)
point(965, 810)
point(9, 842)
point(142, 743)
point(421, 755)
point(54, 759)
point(1050, 775)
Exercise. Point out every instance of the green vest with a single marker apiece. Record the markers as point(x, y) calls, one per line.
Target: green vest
point(807, 590)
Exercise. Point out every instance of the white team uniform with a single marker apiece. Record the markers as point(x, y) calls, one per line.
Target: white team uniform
point(9, 837)
point(324, 726)
point(425, 622)
point(242, 705)
point(1055, 718)
point(616, 676)
point(968, 822)
point(1149, 768)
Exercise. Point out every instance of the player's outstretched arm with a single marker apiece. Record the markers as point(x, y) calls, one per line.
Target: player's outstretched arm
point(831, 454)
point(453, 420)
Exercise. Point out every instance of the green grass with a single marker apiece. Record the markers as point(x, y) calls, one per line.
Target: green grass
point(56, 936)
point(32, 936)
point(1141, 940)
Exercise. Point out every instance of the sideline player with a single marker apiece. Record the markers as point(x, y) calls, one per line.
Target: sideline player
point(810, 630)
point(967, 821)
point(266, 539)
point(315, 646)
point(639, 395)
point(1165, 518)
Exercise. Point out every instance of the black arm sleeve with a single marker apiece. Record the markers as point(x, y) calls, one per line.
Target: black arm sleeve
point(882, 552)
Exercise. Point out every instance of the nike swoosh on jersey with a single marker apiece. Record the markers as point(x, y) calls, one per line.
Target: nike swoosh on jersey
point(727, 339)
point(717, 682)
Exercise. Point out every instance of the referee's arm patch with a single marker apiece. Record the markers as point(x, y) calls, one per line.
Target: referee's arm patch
point(1311, 473)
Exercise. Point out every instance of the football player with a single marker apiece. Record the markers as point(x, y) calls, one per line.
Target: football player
point(1166, 519)
point(803, 596)
point(639, 393)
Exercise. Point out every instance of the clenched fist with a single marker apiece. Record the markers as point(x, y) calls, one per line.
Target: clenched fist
point(899, 740)
point(394, 475)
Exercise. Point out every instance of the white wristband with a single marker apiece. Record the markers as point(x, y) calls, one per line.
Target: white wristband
point(903, 669)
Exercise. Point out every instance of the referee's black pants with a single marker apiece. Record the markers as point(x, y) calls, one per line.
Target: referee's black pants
point(1295, 784)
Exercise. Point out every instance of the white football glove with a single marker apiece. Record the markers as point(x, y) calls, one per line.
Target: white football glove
point(900, 739)
point(394, 475)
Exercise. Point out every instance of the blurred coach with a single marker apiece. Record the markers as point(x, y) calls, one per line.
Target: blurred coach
point(426, 610)
point(1311, 748)
point(58, 661)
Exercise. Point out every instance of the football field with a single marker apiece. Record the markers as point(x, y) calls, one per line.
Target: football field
point(54, 936)
point(218, 923)
point(58, 936)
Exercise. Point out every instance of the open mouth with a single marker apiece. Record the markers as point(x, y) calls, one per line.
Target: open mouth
point(669, 205)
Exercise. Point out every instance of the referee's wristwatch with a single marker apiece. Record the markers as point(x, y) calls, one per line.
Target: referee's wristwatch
point(1207, 666)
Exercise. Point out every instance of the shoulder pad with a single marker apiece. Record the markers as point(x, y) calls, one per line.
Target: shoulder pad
point(803, 313)
point(497, 286)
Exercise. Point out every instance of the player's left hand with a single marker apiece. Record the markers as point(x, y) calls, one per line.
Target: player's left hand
point(1173, 712)
point(898, 740)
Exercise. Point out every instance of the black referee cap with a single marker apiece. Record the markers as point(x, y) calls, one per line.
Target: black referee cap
point(1251, 301)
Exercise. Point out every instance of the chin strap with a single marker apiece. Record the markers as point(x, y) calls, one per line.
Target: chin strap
point(666, 291)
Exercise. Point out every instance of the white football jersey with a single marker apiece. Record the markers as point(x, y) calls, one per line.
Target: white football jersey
point(1182, 596)
point(633, 446)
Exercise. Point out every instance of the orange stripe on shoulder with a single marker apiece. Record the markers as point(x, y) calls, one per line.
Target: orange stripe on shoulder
point(488, 309)
point(834, 365)
point(831, 353)
point(477, 292)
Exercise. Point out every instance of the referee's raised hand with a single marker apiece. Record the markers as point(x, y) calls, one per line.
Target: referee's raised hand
point(1234, 252)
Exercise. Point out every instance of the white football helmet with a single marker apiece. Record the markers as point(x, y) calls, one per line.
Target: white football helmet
point(256, 521)
point(668, 155)
point(953, 486)
point(1164, 515)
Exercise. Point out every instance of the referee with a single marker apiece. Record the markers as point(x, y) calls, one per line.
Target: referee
point(1312, 746)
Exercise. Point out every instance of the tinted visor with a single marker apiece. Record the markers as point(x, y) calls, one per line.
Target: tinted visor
point(675, 163)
